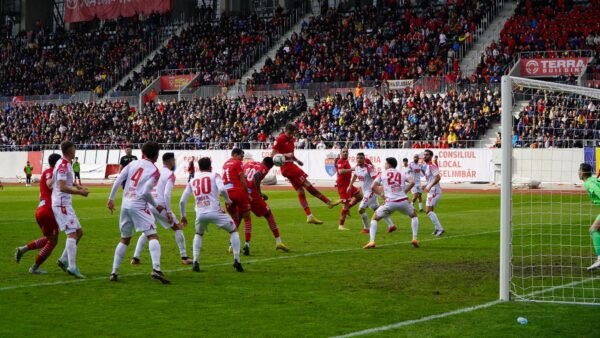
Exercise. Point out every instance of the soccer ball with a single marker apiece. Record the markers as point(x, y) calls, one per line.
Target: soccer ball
point(278, 160)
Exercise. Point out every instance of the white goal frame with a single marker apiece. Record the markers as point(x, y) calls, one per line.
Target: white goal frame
point(506, 169)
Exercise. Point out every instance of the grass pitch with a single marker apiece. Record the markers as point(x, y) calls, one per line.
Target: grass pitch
point(328, 285)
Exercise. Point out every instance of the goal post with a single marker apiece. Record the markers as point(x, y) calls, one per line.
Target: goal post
point(545, 245)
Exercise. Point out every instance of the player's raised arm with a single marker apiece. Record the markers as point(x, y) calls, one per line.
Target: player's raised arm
point(411, 184)
point(352, 180)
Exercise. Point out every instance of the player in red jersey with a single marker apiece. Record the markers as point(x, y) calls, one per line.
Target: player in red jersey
point(255, 173)
point(349, 194)
point(237, 189)
point(284, 144)
point(45, 219)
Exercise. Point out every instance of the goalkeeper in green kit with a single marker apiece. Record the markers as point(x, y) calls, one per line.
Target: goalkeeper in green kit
point(592, 186)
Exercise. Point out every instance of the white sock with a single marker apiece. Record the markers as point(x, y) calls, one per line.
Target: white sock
point(154, 246)
point(119, 254)
point(197, 245)
point(180, 240)
point(389, 221)
point(365, 220)
point(139, 247)
point(235, 245)
point(420, 206)
point(414, 224)
point(63, 258)
point(277, 240)
point(71, 249)
point(311, 215)
point(435, 220)
point(373, 230)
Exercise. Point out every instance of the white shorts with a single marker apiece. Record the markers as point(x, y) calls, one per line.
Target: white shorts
point(66, 219)
point(161, 217)
point(140, 220)
point(416, 189)
point(389, 208)
point(433, 197)
point(220, 219)
point(367, 202)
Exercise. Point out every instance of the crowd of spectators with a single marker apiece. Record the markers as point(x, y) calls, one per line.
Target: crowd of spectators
point(213, 48)
point(201, 123)
point(90, 56)
point(400, 119)
point(557, 26)
point(556, 120)
point(391, 41)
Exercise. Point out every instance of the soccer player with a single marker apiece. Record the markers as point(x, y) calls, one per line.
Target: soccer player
point(592, 186)
point(405, 168)
point(349, 194)
point(45, 220)
point(77, 171)
point(395, 190)
point(284, 144)
point(206, 188)
point(416, 171)
point(365, 173)
point(255, 172)
point(28, 170)
point(62, 207)
point(234, 180)
point(433, 190)
point(162, 195)
point(140, 177)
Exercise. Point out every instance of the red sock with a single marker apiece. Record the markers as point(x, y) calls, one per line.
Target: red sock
point(313, 191)
point(44, 253)
point(343, 215)
point(248, 228)
point(304, 202)
point(37, 244)
point(272, 225)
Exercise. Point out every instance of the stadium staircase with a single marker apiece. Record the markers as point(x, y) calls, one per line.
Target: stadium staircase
point(469, 63)
point(271, 53)
point(138, 67)
point(489, 139)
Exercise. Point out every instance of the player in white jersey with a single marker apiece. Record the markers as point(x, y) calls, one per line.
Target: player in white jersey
point(416, 171)
point(365, 173)
point(162, 195)
point(140, 177)
point(433, 190)
point(206, 188)
point(62, 206)
point(395, 190)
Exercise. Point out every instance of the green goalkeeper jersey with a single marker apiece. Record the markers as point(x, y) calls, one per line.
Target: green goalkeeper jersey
point(592, 186)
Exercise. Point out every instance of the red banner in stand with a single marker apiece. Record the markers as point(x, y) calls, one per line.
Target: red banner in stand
point(86, 10)
point(172, 83)
point(553, 67)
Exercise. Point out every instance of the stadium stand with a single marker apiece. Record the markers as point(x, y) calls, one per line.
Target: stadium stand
point(393, 42)
point(543, 26)
point(88, 57)
point(200, 123)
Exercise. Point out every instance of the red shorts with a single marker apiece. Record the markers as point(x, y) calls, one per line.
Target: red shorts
point(342, 191)
point(240, 200)
point(259, 206)
point(294, 174)
point(45, 219)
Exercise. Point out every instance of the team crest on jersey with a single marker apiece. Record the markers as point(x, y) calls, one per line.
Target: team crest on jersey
point(330, 163)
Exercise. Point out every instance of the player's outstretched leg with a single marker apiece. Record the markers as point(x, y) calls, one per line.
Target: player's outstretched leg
point(139, 247)
point(275, 230)
point(118, 258)
point(313, 191)
point(310, 218)
point(595, 233)
point(33, 245)
point(154, 247)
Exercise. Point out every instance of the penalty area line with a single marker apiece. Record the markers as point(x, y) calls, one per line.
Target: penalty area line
point(252, 261)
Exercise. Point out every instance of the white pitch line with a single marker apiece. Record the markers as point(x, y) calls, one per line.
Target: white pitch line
point(276, 258)
point(420, 320)
point(455, 312)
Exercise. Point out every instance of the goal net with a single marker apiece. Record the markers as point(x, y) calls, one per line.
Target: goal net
point(548, 130)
